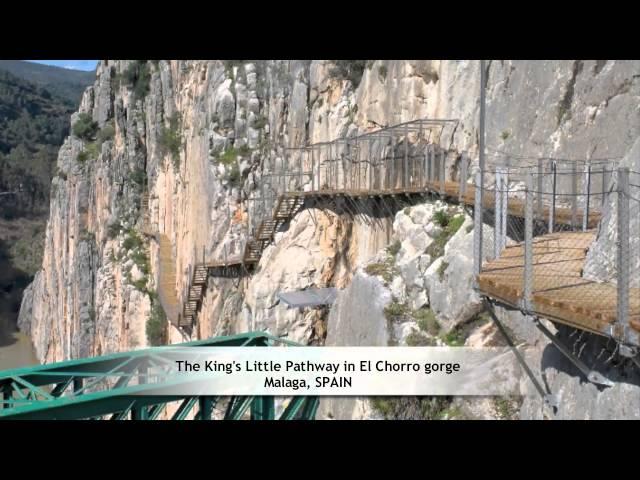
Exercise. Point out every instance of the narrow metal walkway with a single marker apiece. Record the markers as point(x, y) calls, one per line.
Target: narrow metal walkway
point(401, 161)
point(544, 270)
point(559, 291)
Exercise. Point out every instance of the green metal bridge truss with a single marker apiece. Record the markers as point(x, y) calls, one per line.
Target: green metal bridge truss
point(119, 387)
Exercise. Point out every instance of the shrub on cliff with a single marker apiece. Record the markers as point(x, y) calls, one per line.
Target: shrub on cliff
point(85, 128)
point(137, 76)
point(170, 140)
point(351, 70)
point(156, 327)
point(106, 133)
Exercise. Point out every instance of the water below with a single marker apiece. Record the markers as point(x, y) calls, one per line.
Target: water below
point(16, 349)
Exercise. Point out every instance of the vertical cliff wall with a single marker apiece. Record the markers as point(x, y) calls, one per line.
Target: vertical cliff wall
point(198, 136)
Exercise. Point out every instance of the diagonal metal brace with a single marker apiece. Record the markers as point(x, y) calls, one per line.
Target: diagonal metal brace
point(592, 375)
point(547, 398)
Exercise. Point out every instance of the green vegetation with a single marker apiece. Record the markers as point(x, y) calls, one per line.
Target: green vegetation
point(453, 412)
point(34, 121)
point(442, 269)
point(156, 328)
point(230, 159)
point(426, 320)
point(64, 84)
point(351, 70)
point(85, 128)
point(137, 76)
point(138, 176)
point(170, 140)
point(442, 218)
point(506, 408)
point(505, 134)
point(395, 311)
point(141, 259)
point(132, 241)
point(450, 225)
point(87, 236)
point(394, 248)
point(91, 151)
point(113, 230)
point(233, 176)
point(23, 243)
point(106, 133)
point(382, 72)
point(413, 408)
point(417, 339)
point(454, 338)
point(134, 249)
point(384, 270)
point(259, 122)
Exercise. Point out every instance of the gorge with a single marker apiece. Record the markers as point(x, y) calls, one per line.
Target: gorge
point(178, 147)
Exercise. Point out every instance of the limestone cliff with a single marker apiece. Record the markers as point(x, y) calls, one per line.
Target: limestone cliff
point(199, 136)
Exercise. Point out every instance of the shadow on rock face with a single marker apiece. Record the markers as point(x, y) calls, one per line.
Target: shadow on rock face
point(597, 352)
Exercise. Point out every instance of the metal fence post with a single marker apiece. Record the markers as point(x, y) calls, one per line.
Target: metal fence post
point(314, 175)
point(623, 260)
point(605, 183)
point(371, 163)
point(505, 208)
point(574, 195)
point(392, 180)
point(528, 245)
point(429, 165)
point(540, 189)
point(346, 158)
point(587, 193)
point(463, 177)
point(443, 160)
point(330, 167)
point(300, 165)
point(285, 166)
point(477, 226)
point(498, 217)
point(406, 157)
point(552, 210)
point(359, 160)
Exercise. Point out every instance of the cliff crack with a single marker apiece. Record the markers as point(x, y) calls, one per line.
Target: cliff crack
point(564, 107)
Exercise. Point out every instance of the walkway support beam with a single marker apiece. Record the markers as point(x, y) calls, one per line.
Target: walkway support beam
point(477, 227)
point(623, 258)
point(528, 245)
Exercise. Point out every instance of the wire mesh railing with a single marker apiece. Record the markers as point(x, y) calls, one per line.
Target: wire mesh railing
point(562, 239)
point(408, 157)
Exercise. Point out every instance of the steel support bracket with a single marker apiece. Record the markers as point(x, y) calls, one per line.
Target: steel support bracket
point(592, 375)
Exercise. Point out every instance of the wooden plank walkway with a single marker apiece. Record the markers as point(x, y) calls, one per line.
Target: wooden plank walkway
point(504, 285)
point(560, 292)
point(563, 215)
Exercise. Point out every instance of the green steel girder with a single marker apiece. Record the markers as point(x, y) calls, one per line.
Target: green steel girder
point(262, 408)
point(42, 392)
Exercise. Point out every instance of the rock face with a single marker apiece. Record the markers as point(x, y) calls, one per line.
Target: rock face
point(601, 263)
point(200, 136)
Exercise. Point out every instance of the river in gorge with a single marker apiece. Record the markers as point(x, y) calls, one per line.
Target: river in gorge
point(16, 349)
